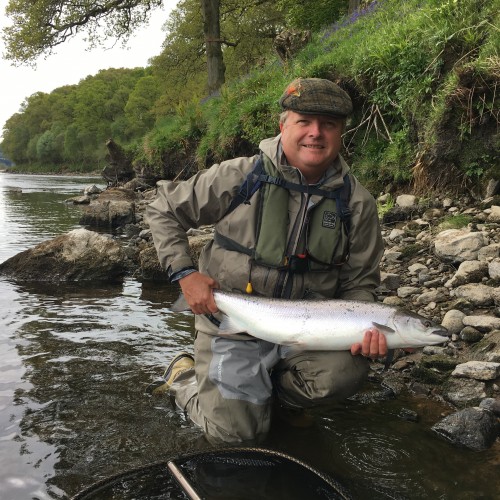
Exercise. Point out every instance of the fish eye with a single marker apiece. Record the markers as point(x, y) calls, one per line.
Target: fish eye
point(427, 323)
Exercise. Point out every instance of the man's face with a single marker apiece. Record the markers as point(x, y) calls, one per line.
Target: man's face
point(311, 142)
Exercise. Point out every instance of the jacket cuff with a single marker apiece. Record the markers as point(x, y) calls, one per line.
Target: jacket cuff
point(173, 277)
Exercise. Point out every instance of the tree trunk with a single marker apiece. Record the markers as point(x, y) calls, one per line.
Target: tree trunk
point(211, 29)
point(354, 5)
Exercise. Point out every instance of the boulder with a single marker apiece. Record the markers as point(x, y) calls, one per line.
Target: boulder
point(472, 428)
point(459, 245)
point(77, 256)
point(111, 209)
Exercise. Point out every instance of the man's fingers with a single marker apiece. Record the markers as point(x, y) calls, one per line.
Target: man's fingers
point(356, 349)
point(374, 344)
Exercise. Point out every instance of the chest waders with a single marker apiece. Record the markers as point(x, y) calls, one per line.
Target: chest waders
point(326, 223)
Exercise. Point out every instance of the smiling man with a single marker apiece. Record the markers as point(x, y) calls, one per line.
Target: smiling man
point(291, 222)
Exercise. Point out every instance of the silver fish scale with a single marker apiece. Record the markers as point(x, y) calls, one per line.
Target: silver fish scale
point(323, 324)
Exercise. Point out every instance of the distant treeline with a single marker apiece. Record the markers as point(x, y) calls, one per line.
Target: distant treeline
point(71, 124)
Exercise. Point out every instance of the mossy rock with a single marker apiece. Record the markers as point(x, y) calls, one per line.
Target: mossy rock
point(438, 362)
point(428, 375)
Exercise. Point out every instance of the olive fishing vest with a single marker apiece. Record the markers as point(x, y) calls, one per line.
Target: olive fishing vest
point(326, 223)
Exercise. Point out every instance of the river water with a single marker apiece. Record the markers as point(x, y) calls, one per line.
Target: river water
point(74, 363)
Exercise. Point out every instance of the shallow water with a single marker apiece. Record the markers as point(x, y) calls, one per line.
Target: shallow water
point(74, 363)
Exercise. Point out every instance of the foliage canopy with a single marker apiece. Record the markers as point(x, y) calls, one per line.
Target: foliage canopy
point(423, 76)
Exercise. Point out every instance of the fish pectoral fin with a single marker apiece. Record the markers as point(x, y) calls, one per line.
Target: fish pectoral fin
point(228, 327)
point(383, 328)
point(388, 359)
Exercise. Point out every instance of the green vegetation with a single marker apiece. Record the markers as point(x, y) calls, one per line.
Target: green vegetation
point(423, 76)
point(458, 221)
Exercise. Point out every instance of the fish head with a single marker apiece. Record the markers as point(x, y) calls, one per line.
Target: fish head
point(418, 330)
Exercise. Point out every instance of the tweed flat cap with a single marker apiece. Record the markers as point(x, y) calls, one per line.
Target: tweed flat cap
point(315, 96)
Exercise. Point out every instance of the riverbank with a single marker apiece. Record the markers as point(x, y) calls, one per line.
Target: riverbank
point(441, 260)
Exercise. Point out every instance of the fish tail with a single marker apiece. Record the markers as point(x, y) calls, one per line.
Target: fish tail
point(180, 304)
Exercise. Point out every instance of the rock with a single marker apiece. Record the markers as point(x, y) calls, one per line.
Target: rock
point(472, 428)
point(408, 415)
point(398, 214)
point(77, 256)
point(392, 256)
point(458, 245)
point(494, 269)
point(417, 268)
point(407, 291)
point(489, 252)
point(475, 293)
point(110, 214)
point(393, 301)
point(91, 190)
point(439, 362)
point(390, 281)
point(453, 321)
point(464, 392)
point(469, 272)
point(431, 296)
point(150, 269)
point(111, 209)
point(491, 404)
point(494, 215)
point(482, 323)
point(396, 235)
point(477, 370)
point(78, 200)
point(470, 334)
point(406, 200)
point(492, 188)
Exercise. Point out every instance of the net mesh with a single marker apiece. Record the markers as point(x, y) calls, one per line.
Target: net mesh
point(232, 474)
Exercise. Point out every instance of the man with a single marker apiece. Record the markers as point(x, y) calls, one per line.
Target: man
point(291, 239)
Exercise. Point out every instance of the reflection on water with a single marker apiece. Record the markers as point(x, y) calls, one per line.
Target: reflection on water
point(74, 363)
point(32, 209)
point(84, 357)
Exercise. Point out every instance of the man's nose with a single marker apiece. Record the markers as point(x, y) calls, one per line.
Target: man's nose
point(314, 128)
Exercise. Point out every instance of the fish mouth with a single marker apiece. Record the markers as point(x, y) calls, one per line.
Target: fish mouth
point(441, 331)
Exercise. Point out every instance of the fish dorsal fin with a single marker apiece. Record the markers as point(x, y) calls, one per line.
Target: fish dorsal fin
point(228, 327)
point(383, 328)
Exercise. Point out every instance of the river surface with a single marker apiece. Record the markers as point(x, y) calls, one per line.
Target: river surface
point(74, 363)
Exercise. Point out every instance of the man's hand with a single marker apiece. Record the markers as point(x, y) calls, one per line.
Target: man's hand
point(374, 345)
point(197, 290)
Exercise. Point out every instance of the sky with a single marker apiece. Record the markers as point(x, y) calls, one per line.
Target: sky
point(72, 62)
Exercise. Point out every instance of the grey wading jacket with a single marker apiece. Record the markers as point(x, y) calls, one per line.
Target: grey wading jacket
point(205, 198)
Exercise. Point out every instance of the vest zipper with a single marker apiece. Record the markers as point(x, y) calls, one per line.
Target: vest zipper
point(284, 285)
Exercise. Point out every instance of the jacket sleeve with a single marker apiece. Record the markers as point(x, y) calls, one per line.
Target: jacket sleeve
point(201, 200)
point(360, 276)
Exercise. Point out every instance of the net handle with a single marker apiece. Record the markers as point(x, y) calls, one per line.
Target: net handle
point(183, 482)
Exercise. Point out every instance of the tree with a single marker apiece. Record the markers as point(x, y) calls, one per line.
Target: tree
point(247, 31)
point(140, 105)
point(40, 26)
point(213, 44)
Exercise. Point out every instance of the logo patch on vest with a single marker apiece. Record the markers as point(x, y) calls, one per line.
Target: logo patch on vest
point(329, 220)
